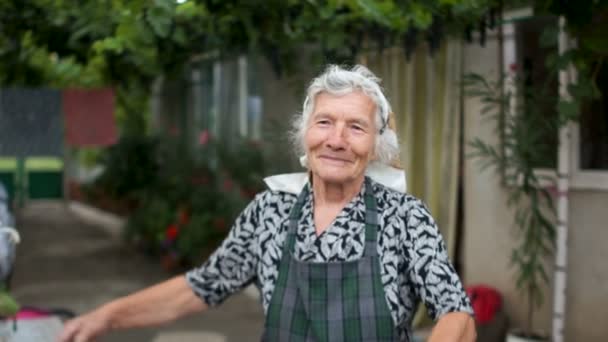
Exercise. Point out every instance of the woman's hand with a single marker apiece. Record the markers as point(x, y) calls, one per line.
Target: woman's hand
point(155, 305)
point(86, 327)
point(454, 327)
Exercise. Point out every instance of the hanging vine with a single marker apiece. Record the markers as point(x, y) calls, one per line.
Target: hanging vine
point(128, 43)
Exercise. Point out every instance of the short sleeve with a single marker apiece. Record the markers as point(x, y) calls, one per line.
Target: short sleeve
point(435, 280)
point(233, 265)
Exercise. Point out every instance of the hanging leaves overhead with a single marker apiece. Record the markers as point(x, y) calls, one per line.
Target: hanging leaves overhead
point(87, 43)
point(128, 43)
point(92, 42)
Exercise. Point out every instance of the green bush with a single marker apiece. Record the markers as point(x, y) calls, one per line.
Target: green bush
point(146, 225)
point(186, 200)
point(129, 166)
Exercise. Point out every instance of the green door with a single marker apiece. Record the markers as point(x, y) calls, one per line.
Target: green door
point(44, 177)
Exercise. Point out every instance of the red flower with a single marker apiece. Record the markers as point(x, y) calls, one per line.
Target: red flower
point(486, 302)
point(204, 137)
point(171, 232)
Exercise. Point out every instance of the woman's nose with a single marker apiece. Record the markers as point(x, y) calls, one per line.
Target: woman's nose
point(336, 139)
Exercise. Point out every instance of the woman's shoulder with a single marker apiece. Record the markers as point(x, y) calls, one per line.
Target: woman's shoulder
point(273, 199)
point(269, 195)
point(406, 210)
point(388, 198)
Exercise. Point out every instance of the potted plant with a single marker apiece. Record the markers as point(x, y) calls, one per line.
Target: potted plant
point(524, 145)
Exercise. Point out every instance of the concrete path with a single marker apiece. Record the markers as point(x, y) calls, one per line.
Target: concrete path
point(64, 262)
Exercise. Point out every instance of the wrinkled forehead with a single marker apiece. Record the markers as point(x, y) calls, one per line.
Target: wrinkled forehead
point(343, 97)
point(351, 104)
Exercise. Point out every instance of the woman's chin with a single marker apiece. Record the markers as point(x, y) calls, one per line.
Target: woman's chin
point(335, 176)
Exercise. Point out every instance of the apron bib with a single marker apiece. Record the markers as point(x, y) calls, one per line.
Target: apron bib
point(337, 301)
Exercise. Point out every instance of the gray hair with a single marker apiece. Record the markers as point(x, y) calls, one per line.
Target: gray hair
point(338, 81)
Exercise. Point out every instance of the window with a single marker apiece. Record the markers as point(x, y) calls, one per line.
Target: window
point(589, 154)
point(236, 108)
point(225, 100)
point(589, 137)
point(218, 99)
point(593, 127)
point(525, 59)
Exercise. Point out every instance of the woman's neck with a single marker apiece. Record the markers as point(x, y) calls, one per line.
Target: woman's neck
point(332, 194)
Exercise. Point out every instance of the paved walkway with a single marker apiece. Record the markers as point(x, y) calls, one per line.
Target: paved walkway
point(64, 262)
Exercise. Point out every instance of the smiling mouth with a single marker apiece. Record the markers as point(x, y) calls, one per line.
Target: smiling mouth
point(335, 159)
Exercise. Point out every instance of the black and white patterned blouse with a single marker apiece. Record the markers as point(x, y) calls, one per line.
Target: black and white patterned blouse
point(415, 264)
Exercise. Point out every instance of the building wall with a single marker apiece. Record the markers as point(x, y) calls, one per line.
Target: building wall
point(174, 106)
point(587, 294)
point(489, 235)
point(282, 98)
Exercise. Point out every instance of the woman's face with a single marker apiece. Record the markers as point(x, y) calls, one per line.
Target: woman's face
point(340, 137)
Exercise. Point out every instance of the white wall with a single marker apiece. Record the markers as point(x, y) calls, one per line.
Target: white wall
point(489, 235)
point(587, 293)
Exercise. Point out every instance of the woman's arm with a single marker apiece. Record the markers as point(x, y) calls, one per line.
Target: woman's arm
point(435, 280)
point(208, 285)
point(454, 326)
point(155, 305)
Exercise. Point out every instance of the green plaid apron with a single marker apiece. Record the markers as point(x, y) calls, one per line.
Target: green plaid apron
point(337, 301)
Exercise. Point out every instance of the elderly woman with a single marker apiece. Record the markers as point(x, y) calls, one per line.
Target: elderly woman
point(339, 253)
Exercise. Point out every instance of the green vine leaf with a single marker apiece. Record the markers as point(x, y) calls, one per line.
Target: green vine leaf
point(160, 21)
point(568, 110)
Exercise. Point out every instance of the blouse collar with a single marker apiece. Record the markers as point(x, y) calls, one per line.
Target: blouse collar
point(293, 183)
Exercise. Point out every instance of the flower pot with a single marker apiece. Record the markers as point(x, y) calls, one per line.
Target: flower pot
point(515, 336)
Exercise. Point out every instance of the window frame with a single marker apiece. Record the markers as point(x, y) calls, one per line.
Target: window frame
point(509, 50)
point(580, 179)
point(583, 179)
point(243, 63)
